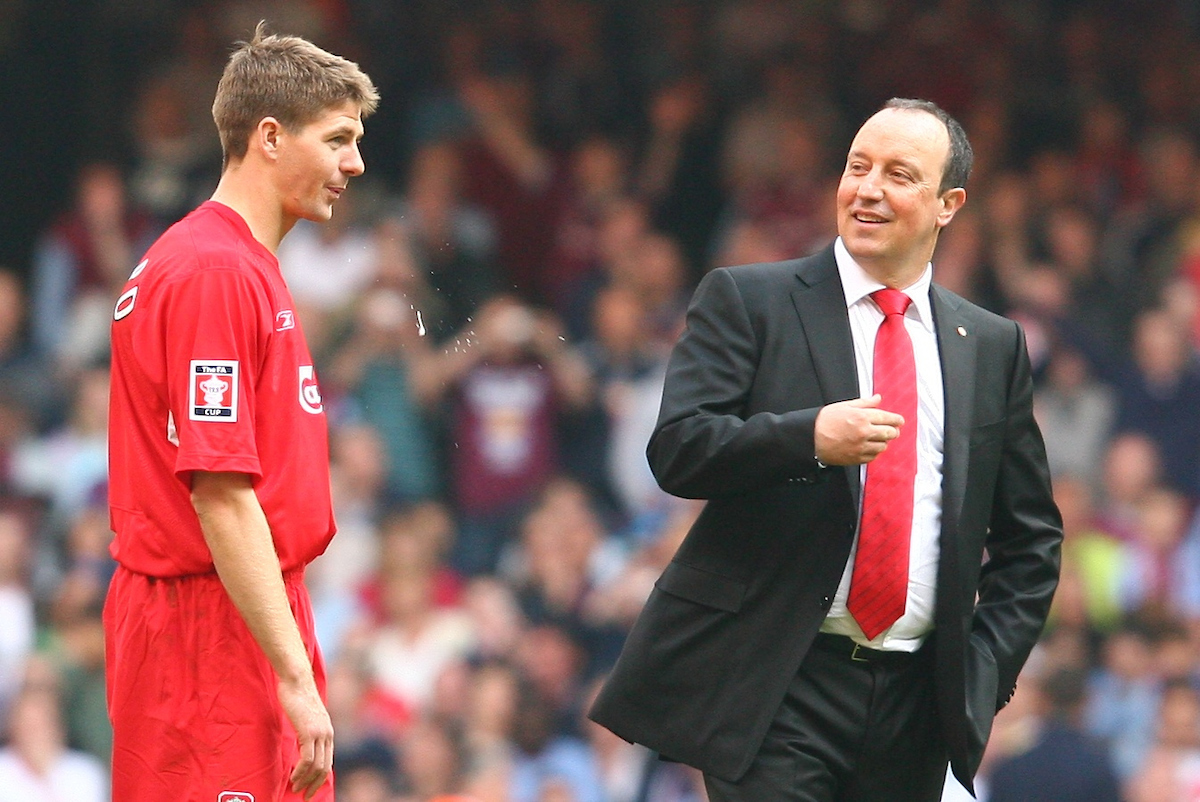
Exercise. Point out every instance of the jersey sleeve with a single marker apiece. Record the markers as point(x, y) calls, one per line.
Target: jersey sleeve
point(215, 340)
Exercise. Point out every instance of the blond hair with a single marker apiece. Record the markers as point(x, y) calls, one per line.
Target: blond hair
point(287, 78)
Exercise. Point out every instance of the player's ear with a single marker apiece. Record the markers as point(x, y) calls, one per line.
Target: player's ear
point(266, 137)
point(952, 200)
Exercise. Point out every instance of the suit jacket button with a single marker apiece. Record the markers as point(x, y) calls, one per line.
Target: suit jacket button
point(826, 602)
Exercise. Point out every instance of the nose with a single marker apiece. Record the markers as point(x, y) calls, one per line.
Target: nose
point(353, 164)
point(870, 186)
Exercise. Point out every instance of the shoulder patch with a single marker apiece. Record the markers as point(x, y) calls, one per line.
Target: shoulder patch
point(213, 393)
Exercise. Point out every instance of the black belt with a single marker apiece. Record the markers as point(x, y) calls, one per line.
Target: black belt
point(847, 648)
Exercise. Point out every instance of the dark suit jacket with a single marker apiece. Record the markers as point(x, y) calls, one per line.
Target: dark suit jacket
point(707, 664)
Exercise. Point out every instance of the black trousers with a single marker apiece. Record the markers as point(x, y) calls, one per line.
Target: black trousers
point(849, 730)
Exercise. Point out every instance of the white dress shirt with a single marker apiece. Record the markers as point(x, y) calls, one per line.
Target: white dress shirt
point(909, 631)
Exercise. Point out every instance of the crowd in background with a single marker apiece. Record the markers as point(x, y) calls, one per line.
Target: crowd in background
point(491, 310)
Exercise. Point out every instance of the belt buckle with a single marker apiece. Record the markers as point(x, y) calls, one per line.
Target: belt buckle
point(854, 654)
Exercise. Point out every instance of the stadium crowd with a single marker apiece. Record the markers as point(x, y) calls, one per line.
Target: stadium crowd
point(491, 309)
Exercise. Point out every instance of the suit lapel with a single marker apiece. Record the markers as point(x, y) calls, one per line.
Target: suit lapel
point(821, 306)
point(957, 348)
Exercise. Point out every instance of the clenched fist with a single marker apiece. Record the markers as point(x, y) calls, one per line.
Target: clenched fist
point(854, 432)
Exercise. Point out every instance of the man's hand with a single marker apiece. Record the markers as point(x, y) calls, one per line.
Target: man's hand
point(855, 431)
point(314, 731)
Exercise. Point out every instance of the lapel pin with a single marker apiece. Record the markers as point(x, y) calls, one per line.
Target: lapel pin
point(961, 331)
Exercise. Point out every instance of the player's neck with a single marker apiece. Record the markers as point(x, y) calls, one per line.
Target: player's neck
point(241, 191)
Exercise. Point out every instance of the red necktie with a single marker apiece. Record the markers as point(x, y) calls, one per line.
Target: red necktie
point(879, 584)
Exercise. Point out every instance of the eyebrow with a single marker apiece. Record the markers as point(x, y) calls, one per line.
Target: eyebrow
point(907, 164)
point(344, 129)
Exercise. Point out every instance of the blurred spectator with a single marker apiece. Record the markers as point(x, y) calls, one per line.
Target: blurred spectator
point(410, 539)
point(365, 773)
point(16, 430)
point(1008, 231)
point(1076, 414)
point(490, 716)
point(1131, 468)
point(1140, 250)
point(1092, 560)
point(508, 386)
point(1062, 764)
point(450, 244)
point(1150, 578)
point(627, 364)
point(1188, 599)
point(16, 603)
point(677, 168)
point(80, 264)
point(510, 174)
point(415, 640)
point(655, 537)
point(364, 717)
point(619, 228)
point(387, 372)
point(548, 765)
point(1159, 394)
point(74, 637)
point(962, 255)
point(177, 158)
point(29, 387)
point(430, 761)
point(1109, 173)
point(1087, 308)
point(37, 765)
point(493, 606)
point(358, 477)
point(551, 661)
point(565, 554)
point(1171, 771)
point(777, 171)
point(749, 32)
point(1175, 655)
point(69, 464)
point(654, 269)
point(598, 177)
point(747, 242)
point(578, 90)
point(1123, 699)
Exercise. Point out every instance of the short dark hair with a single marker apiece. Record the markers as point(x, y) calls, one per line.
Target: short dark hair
point(285, 77)
point(961, 157)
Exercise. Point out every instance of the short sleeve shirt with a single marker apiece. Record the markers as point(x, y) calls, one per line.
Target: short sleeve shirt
point(211, 372)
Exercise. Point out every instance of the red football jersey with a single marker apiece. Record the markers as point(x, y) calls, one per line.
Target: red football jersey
point(211, 372)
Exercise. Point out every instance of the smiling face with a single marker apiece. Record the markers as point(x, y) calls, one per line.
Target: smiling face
point(317, 160)
point(889, 208)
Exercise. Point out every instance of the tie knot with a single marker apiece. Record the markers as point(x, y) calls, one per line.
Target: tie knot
point(892, 302)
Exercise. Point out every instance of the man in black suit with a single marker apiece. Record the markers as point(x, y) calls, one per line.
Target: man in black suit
point(752, 659)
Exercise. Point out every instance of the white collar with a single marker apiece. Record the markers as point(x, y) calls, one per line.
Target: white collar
point(857, 284)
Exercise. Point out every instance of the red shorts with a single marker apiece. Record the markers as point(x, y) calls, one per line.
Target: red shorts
point(192, 698)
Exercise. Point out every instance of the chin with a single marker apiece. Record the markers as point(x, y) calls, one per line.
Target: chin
point(321, 215)
point(862, 248)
